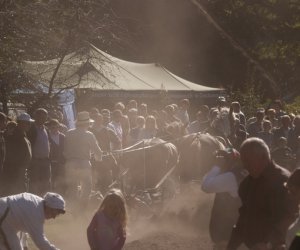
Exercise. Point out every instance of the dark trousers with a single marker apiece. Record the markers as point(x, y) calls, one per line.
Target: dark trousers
point(104, 173)
point(295, 243)
point(58, 176)
point(39, 176)
point(13, 181)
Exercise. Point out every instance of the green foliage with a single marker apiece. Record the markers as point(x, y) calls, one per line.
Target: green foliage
point(293, 107)
point(269, 31)
point(250, 99)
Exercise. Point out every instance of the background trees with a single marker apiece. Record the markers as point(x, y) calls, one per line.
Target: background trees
point(171, 32)
point(48, 29)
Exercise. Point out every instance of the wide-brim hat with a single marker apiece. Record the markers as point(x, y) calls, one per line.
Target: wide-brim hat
point(83, 118)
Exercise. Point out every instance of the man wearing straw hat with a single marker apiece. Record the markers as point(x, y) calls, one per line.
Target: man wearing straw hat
point(80, 144)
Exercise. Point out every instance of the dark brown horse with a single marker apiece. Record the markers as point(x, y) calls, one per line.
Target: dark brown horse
point(148, 162)
point(197, 155)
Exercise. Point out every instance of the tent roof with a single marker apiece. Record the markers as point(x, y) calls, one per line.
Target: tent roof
point(95, 69)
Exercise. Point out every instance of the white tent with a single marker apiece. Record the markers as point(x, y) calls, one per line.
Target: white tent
point(94, 69)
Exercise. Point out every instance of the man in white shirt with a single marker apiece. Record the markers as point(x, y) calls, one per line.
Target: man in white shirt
point(116, 126)
point(223, 180)
point(26, 213)
point(80, 144)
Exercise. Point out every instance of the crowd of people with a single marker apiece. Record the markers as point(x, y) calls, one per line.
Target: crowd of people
point(40, 154)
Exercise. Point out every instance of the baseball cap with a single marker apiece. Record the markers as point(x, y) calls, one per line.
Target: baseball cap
point(24, 117)
point(54, 200)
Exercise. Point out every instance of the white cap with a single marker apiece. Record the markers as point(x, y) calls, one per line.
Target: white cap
point(54, 200)
point(24, 117)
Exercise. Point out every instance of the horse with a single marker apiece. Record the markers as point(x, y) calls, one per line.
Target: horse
point(197, 155)
point(147, 162)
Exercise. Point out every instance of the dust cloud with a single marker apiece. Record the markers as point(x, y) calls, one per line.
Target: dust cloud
point(180, 223)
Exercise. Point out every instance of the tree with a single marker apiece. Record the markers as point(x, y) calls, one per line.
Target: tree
point(47, 29)
point(269, 31)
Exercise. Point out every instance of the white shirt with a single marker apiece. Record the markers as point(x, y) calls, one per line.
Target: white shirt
point(117, 128)
point(55, 138)
point(80, 144)
point(26, 214)
point(215, 181)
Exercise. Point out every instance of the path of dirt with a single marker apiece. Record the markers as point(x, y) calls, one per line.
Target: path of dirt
point(182, 225)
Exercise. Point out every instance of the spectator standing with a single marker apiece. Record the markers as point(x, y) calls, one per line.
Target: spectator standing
point(266, 135)
point(182, 112)
point(132, 115)
point(143, 110)
point(283, 130)
point(57, 159)
point(78, 166)
point(18, 157)
point(132, 104)
point(61, 119)
point(278, 107)
point(40, 167)
point(271, 116)
point(105, 171)
point(107, 229)
point(170, 114)
point(200, 124)
point(221, 103)
point(236, 108)
point(293, 135)
point(124, 120)
point(116, 126)
point(255, 127)
point(134, 134)
point(150, 130)
point(266, 212)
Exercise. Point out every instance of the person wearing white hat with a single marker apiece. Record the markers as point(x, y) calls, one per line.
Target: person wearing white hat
point(18, 157)
point(26, 212)
point(80, 144)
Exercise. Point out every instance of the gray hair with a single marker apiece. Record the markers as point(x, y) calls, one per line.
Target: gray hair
point(256, 147)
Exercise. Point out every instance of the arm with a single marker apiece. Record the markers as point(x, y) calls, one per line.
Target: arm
point(36, 232)
point(217, 182)
point(91, 234)
point(121, 240)
point(95, 147)
point(285, 212)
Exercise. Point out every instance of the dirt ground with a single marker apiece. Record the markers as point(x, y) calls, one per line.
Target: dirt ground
point(182, 224)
